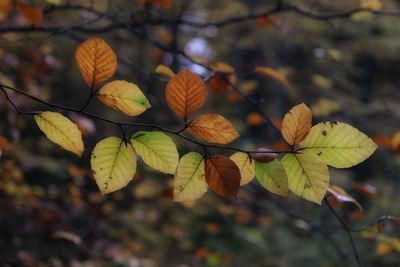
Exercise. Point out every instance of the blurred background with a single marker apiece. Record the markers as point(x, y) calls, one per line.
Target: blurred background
point(343, 64)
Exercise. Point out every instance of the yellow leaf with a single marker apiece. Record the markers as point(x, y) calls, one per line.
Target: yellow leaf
point(213, 128)
point(157, 150)
point(164, 70)
point(272, 176)
point(96, 61)
point(274, 75)
point(185, 93)
point(371, 4)
point(61, 131)
point(325, 107)
point(322, 81)
point(342, 196)
point(296, 124)
point(113, 163)
point(245, 165)
point(308, 176)
point(383, 248)
point(125, 97)
point(396, 141)
point(189, 182)
point(32, 13)
point(338, 144)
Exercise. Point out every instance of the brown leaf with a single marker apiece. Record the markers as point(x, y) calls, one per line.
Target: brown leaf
point(96, 61)
point(342, 196)
point(185, 93)
point(273, 74)
point(32, 13)
point(166, 4)
point(296, 124)
point(255, 119)
point(365, 189)
point(264, 157)
point(223, 176)
point(213, 128)
point(6, 7)
point(222, 81)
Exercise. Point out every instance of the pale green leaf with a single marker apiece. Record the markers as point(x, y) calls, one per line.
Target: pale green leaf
point(113, 163)
point(272, 176)
point(61, 131)
point(157, 150)
point(189, 181)
point(308, 176)
point(245, 165)
point(338, 144)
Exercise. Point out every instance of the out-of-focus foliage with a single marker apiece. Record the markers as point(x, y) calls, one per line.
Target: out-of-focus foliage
point(51, 211)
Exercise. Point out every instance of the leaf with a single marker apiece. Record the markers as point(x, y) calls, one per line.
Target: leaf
point(113, 163)
point(185, 93)
point(255, 119)
point(274, 75)
point(69, 236)
point(166, 4)
point(125, 97)
point(4, 144)
point(338, 144)
point(164, 70)
point(32, 13)
point(189, 181)
point(308, 176)
point(157, 150)
point(325, 107)
point(264, 155)
point(245, 165)
point(341, 195)
point(96, 61)
point(61, 131)
point(296, 124)
point(373, 5)
point(272, 176)
point(213, 128)
point(223, 176)
point(6, 7)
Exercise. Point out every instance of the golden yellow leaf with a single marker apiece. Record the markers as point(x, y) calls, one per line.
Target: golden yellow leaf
point(185, 93)
point(396, 141)
point(125, 97)
point(296, 124)
point(245, 165)
point(164, 70)
point(61, 131)
point(274, 75)
point(308, 176)
point(338, 144)
point(32, 13)
point(371, 4)
point(189, 180)
point(113, 163)
point(213, 128)
point(96, 61)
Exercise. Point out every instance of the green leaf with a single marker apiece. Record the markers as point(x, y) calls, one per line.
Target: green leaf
point(189, 182)
point(272, 176)
point(338, 144)
point(113, 163)
point(157, 150)
point(308, 176)
point(61, 131)
point(245, 165)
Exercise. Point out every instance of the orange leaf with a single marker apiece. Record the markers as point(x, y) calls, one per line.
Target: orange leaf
point(382, 141)
point(342, 196)
point(185, 93)
point(5, 7)
point(96, 61)
point(255, 119)
point(32, 13)
point(274, 75)
point(296, 124)
point(223, 176)
point(4, 144)
point(213, 128)
point(396, 141)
